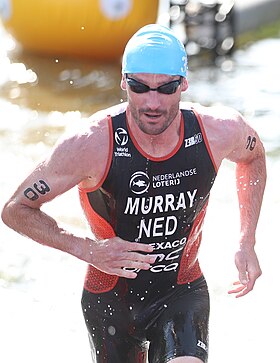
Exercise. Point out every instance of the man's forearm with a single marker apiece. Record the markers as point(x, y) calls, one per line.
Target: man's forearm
point(251, 180)
point(42, 228)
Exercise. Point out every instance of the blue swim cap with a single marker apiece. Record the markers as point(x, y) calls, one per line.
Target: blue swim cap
point(155, 49)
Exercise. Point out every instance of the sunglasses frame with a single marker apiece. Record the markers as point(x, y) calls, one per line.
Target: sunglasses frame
point(132, 83)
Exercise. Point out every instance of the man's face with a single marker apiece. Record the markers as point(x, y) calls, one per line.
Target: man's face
point(153, 111)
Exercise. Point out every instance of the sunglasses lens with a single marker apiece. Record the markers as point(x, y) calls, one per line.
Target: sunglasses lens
point(137, 87)
point(169, 88)
point(166, 89)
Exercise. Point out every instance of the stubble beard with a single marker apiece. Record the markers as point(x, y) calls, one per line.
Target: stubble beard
point(152, 128)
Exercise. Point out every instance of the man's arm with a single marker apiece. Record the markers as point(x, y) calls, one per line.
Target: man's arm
point(71, 163)
point(249, 156)
point(231, 137)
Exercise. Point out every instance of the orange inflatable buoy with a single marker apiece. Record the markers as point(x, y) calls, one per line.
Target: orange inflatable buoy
point(96, 29)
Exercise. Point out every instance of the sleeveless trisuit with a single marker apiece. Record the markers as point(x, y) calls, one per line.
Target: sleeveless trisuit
point(162, 202)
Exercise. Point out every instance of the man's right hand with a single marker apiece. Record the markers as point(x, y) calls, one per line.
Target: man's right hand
point(114, 254)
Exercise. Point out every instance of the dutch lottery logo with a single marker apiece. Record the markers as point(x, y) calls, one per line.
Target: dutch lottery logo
point(139, 182)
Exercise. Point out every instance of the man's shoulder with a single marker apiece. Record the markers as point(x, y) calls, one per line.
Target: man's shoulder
point(224, 127)
point(94, 125)
point(219, 119)
point(101, 115)
point(214, 112)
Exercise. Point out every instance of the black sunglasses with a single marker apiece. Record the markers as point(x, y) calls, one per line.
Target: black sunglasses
point(167, 88)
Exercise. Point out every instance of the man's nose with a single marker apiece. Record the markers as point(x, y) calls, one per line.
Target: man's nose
point(153, 100)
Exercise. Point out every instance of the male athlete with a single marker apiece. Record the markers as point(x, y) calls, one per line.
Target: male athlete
point(145, 170)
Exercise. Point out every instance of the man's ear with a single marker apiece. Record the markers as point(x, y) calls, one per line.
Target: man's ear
point(184, 85)
point(123, 83)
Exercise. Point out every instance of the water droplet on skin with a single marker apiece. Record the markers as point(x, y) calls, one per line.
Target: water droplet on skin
point(142, 298)
point(165, 305)
point(130, 308)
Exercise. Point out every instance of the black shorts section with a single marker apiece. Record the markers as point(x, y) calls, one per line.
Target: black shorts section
point(182, 329)
point(177, 327)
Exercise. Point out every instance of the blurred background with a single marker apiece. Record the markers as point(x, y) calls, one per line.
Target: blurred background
point(59, 63)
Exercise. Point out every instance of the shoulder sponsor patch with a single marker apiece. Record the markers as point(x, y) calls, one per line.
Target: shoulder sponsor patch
point(193, 140)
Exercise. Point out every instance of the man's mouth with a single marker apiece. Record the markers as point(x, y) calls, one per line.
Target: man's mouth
point(152, 115)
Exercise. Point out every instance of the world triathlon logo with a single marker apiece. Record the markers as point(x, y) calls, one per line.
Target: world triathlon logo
point(139, 182)
point(121, 136)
